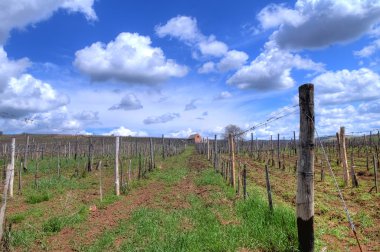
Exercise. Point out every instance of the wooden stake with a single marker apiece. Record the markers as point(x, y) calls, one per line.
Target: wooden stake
point(269, 191)
point(232, 160)
point(305, 170)
point(12, 174)
point(346, 174)
point(117, 179)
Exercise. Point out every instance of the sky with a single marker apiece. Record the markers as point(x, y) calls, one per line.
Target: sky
point(146, 68)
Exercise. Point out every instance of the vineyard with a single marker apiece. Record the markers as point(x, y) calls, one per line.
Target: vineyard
point(106, 193)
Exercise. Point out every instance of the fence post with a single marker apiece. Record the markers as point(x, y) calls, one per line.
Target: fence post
point(269, 191)
point(346, 174)
point(151, 154)
point(117, 183)
point(232, 160)
point(13, 152)
point(215, 153)
point(305, 173)
point(163, 147)
point(26, 153)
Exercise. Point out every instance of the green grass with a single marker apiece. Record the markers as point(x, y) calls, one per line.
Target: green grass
point(34, 197)
point(213, 222)
point(56, 223)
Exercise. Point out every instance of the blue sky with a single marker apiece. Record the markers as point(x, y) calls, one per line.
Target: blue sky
point(153, 67)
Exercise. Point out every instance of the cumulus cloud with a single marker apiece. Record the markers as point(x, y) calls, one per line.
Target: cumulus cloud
point(54, 121)
point(18, 14)
point(346, 86)
point(186, 29)
point(26, 95)
point(87, 116)
point(232, 60)
point(185, 133)
point(191, 105)
point(161, 119)
point(128, 102)
point(129, 58)
point(368, 50)
point(207, 67)
point(122, 131)
point(319, 23)
point(223, 95)
point(10, 68)
point(271, 70)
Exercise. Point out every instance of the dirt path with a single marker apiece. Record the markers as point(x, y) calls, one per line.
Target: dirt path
point(155, 194)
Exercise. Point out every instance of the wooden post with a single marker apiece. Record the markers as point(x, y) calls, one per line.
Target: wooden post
point(129, 171)
point(163, 147)
point(346, 174)
point(4, 199)
point(295, 143)
point(100, 180)
point(26, 153)
point(232, 160)
point(117, 182)
point(278, 151)
point(269, 191)
point(339, 160)
point(354, 180)
point(245, 182)
point(375, 173)
point(151, 154)
point(208, 149)
point(305, 170)
point(215, 153)
point(12, 171)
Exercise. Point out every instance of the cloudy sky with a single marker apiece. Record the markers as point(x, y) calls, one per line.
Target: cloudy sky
point(153, 67)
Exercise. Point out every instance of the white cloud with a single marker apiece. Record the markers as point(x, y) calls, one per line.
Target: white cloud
point(207, 67)
point(129, 58)
point(232, 60)
point(181, 27)
point(212, 47)
point(185, 29)
point(320, 23)
point(346, 86)
point(122, 131)
point(161, 119)
point(54, 121)
point(223, 95)
point(10, 68)
point(18, 14)
point(271, 70)
point(87, 116)
point(128, 102)
point(275, 15)
point(368, 50)
point(26, 95)
point(182, 133)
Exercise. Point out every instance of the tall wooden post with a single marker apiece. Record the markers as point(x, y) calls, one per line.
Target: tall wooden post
point(163, 147)
point(251, 146)
point(26, 153)
point(151, 154)
point(215, 153)
point(278, 151)
point(295, 142)
point(117, 179)
point(305, 170)
point(232, 159)
point(12, 171)
point(208, 149)
point(346, 174)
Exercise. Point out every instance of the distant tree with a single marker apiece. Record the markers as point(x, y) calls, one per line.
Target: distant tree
point(234, 130)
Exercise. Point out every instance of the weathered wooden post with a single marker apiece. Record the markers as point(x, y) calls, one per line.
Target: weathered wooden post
point(375, 173)
point(12, 171)
point(117, 182)
point(163, 147)
point(151, 166)
point(245, 182)
point(215, 153)
point(232, 159)
point(346, 174)
point(26, 153)
point(208, 149)
point(305, 170)
point(278, 151)
point(269, 191)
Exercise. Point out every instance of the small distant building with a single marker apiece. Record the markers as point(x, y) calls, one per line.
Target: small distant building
point(195, 138)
